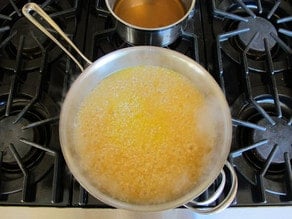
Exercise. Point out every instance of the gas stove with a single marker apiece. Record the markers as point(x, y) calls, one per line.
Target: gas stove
point(252, 41)
point(35, 76)
point(245, 45)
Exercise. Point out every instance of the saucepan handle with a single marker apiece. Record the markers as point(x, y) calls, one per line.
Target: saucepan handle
point(32, 7)
point(200, 207)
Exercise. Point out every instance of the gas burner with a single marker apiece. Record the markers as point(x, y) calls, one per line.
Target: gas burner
point(254, 28)
point(10, 134)
point(19, 38)
point(261, 26)
point(22, 139)
point(24, 28)
point(262, 141)
point(278, 134)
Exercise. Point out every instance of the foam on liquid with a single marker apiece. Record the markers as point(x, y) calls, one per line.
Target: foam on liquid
point(138, 137)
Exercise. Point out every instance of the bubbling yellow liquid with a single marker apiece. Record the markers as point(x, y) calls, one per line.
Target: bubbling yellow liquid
point(138, 135)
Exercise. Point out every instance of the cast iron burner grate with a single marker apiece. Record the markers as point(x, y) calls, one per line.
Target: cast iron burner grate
point(16, 31)
point(253, 28)
point(24, 147)
point(262, 143)
point(34, 78)
point(28, 149)
point(26, 141)
point(255, 36)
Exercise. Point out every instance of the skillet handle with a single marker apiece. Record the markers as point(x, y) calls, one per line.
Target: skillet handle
point(32, 7)
point(227, 200)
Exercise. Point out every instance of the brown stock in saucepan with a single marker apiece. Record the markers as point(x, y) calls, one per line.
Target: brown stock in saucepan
point(150, 13)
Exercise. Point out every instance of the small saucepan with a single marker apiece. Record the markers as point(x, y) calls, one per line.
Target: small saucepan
point(136, 56)
point(137, 34)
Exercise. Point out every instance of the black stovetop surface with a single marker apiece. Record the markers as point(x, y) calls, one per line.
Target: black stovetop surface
point(245, 45)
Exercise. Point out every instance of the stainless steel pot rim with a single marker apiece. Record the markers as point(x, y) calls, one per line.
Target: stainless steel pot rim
point(152, 29)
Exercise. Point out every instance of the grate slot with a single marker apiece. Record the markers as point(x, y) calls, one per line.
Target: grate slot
point(12, 89)
point(25, 172)
point(56, 184)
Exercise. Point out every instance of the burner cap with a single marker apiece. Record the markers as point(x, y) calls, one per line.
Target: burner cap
point(23, 27)
point(259, 25)
point(11, 133)
point(279, 134)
